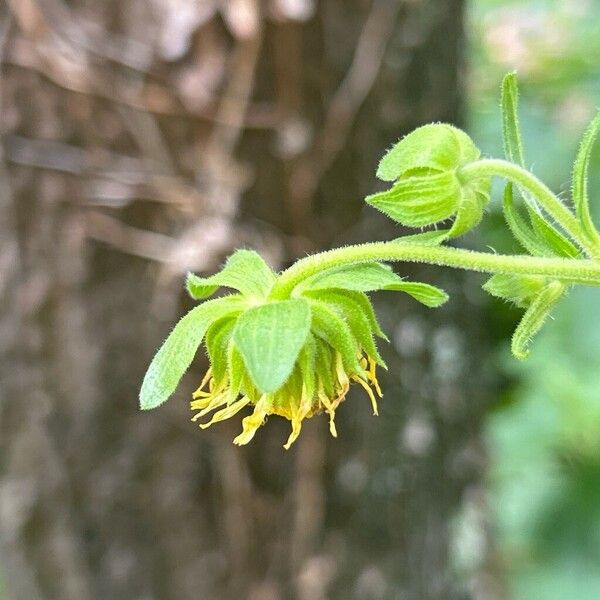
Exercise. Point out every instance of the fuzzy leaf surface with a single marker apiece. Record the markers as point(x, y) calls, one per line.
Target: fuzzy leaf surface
point(370, 277)
point(511, 131)
point(437, 146)
point(244, 271)
point(217, 343)
point(330, 327)
point(580, 177)
point(420, 200)
point(177, 352)
point(352, 312)
point(534, 318)
point(269, 338)
point(520, 289)
point(522, 231)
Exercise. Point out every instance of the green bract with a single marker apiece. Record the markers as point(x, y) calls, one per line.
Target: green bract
point(291, 344)
point(427, 184)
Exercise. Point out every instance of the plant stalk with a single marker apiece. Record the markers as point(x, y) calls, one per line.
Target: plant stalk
point(581, 271)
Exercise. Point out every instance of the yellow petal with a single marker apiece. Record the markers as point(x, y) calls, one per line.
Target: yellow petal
point(296, 427)
point(373, 377)
point(215, 402)
point(370, 392)
point(331, 411)
point(251, 423)
point(227, 412)
point(199, 393)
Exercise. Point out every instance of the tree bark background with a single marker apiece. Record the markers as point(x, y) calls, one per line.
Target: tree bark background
point(140, 140)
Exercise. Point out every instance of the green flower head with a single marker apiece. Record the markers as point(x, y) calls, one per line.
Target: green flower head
point(293, 357)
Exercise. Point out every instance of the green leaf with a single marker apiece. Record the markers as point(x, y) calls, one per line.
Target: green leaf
point(420, 200)
point(540, 239)
point(369, 277)
point(330, 327)
point(177, 352)
point(523, 233)
point(555, 241)
point(437, 146)
point(511, 132)
point(520, 289)
point(352, 312)
point(426, 294)
point(580, 176)
point(217, 344)
point(244, 271)
point(269, 338)
point(534, 318)
point(307, 365)
point(361, 277)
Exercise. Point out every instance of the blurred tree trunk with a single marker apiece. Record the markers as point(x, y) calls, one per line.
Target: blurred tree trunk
point(140, 140)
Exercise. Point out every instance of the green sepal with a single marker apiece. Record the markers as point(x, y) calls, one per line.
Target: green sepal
point(437, 146)
point(534, 318)
point(420, 200)
point(580, 183)
point(352, 313)
point(471, 208)
point(330, 327)
point(236, 370)
point(269, 338)
point(306, 365)
point(363, 301)
point(244, 271)
point(324, 366)
point(177, 352)
point(520, 289)
point(217, 341)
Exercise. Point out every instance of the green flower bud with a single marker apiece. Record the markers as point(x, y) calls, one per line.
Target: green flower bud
point(427, 184)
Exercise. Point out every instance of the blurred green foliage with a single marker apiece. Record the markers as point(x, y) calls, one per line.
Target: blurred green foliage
point(544, 436)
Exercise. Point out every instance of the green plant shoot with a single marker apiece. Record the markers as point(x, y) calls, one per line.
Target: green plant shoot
point(292, 343)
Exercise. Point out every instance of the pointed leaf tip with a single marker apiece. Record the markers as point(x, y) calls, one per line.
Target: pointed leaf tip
point(177, 352)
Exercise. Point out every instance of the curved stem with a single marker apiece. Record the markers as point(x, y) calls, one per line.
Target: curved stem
point(582, 271)
point(547, 200)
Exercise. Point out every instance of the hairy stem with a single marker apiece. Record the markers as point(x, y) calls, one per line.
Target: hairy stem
point(493, 167)
point(582, 271)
